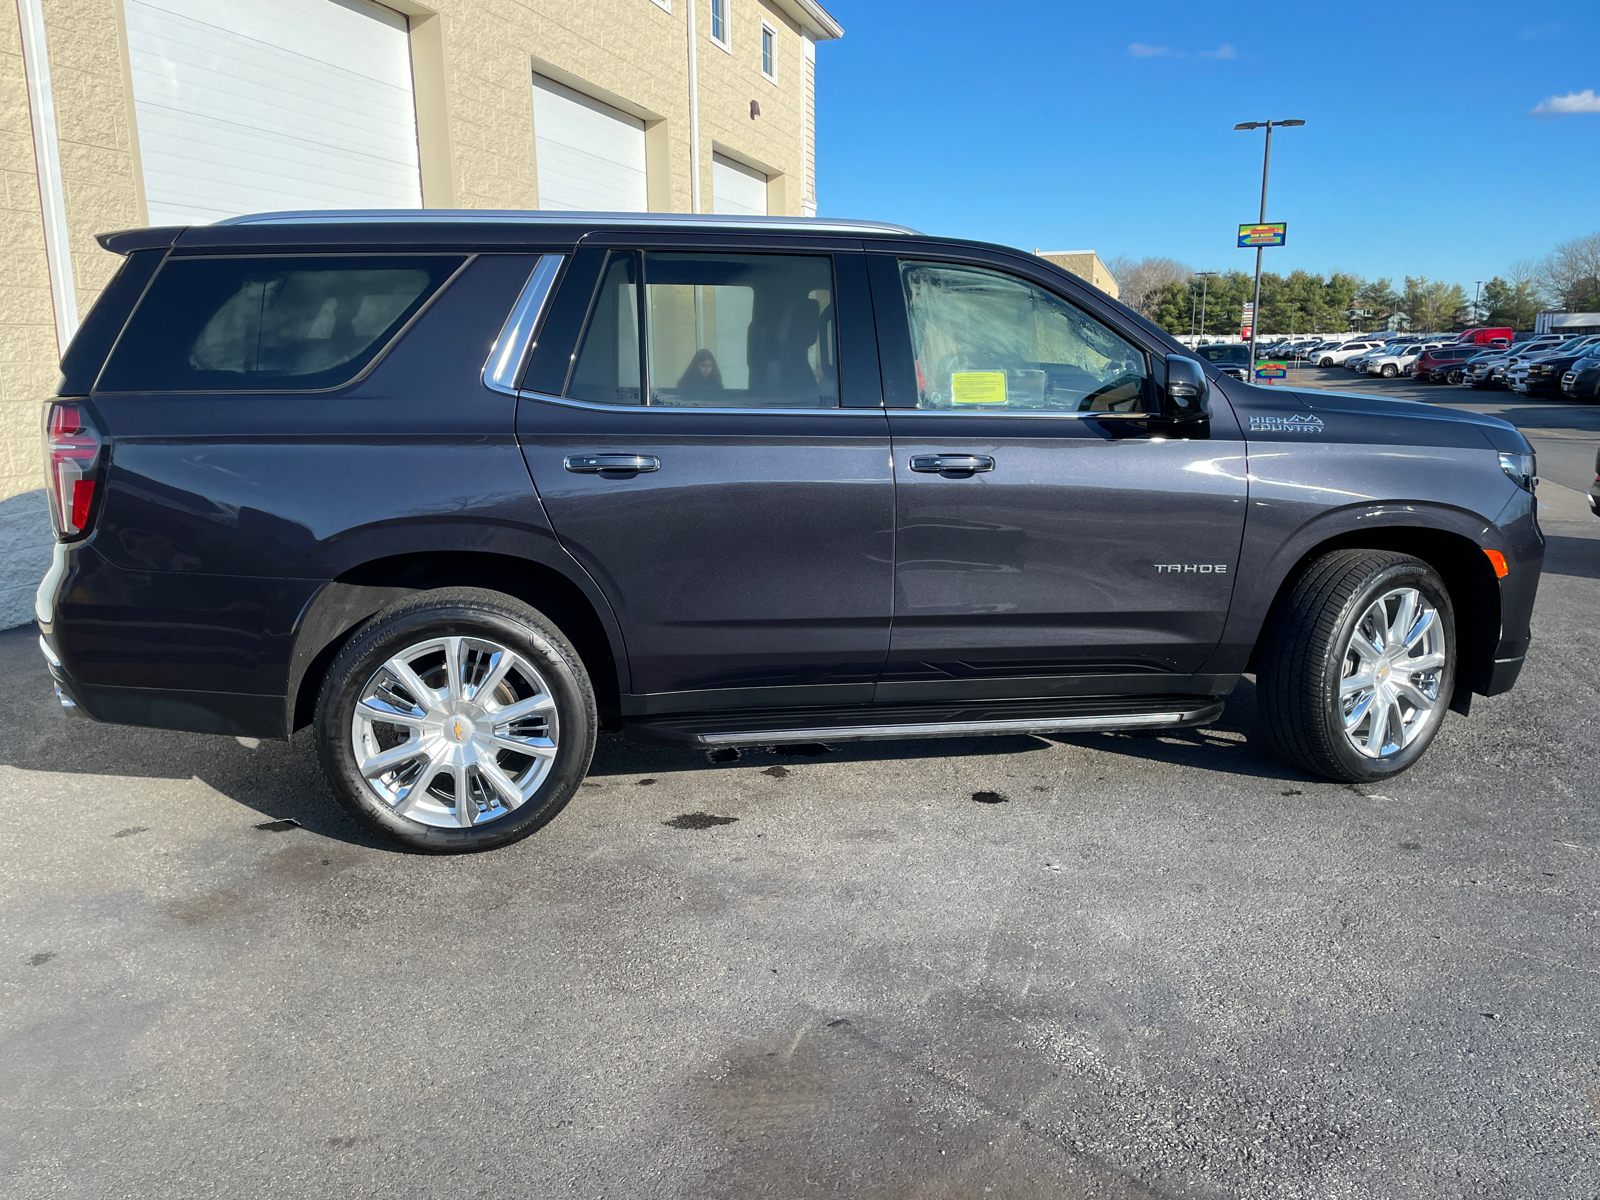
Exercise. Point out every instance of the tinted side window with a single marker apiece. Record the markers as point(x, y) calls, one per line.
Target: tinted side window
point(985, 341)
point(720, 331)
point(607, 369)
point(269, 323)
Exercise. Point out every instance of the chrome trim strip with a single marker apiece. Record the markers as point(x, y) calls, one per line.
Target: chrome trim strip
point(509, 353)
point(692, 409)
point(484, 216)
point(1008, 414)
point(49, 654)
point(868, 733)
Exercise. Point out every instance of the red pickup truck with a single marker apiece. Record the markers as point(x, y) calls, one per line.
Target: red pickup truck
point(1485, 336)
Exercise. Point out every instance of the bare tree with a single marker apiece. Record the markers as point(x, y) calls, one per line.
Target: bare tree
point(1139, 281)
point(1570, 274)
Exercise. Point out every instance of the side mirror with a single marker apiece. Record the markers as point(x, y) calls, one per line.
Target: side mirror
point(1184, 410)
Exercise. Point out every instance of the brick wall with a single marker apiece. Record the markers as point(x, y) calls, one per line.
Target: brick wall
point(27, 339)
point(628, 49)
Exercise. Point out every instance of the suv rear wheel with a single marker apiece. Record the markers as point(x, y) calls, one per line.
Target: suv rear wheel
point(456, 720)
point(1358, 665)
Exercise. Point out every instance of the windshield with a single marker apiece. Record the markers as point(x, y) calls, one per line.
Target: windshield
point(1236, 354)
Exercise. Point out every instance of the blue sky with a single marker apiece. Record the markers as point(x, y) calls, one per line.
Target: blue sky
point(1072, 126)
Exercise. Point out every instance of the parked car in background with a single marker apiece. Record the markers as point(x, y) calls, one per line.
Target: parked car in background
point(1487, 336)
point(454, 490)
point(1435, 363)
point(1335, 356)
point(1231, 358)
point(1582, 380)
point(1459, 372)
point(1540, 375)
point(1490, 372)
point(1395, 360)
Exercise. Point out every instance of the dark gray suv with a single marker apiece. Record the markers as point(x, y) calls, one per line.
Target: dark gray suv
point(460, 489)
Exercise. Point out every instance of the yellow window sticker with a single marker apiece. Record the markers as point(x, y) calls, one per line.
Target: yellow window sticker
point(978, 387)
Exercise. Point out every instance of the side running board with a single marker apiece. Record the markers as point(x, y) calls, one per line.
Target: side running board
point(937, 729)
point(866, 724)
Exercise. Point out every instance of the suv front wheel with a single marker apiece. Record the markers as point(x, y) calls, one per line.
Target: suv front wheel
point(456, 720)
point(1358, 664)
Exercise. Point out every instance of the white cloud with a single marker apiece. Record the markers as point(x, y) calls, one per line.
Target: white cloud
point(1225, 50)
point(1573, 102)
point(1140, 50)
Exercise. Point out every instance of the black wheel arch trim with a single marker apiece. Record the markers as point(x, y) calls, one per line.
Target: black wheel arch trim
point(1449, 539)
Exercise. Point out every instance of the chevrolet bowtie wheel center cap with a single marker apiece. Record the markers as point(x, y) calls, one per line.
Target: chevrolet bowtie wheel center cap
point(455, 731)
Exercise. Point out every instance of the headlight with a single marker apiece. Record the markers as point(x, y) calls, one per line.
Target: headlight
point(1523, 468)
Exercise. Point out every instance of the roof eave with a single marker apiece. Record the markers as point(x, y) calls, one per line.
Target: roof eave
point(813, 18)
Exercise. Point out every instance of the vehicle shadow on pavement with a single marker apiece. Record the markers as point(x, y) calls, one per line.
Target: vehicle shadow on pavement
point(283, 780)
point(1233, 745)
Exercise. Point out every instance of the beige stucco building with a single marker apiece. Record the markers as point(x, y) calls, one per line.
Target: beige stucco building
point(119, 113)
point(1086, 265)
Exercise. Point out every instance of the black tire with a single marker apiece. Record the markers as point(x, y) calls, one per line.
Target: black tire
point(1326, 362)
point(1454, 377)
point(474, 613)
point(1390, 370)
point(1301, 664)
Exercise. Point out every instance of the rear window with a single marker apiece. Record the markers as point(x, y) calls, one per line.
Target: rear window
point(1236, 354)
point(269, 323)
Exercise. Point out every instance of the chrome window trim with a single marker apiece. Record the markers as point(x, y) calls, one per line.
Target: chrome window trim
point(1010, 414)
point(510, 351)
point(879, 410)
point(482, 216)
point(593, 406)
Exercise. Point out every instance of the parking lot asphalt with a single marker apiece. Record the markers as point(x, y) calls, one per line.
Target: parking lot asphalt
point(1109, 966)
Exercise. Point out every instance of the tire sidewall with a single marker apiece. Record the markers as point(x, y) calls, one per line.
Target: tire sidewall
point(385, 635)
point(1411, 573)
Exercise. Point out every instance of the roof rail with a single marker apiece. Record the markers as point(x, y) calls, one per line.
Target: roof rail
point(520, 216)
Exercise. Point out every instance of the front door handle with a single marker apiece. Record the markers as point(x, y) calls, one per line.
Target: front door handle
point(593, 464)
point(934, 464)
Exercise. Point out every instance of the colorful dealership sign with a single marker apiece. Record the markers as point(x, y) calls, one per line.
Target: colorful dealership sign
point(1274, 234)
point(1271, 370)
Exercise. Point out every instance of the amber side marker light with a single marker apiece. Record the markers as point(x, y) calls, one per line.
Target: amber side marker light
point(1498, 562)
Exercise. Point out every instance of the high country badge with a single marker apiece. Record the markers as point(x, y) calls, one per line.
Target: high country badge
point(1298, 423)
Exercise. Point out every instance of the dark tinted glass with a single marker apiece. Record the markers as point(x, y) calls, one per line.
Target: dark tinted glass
point(741, 330)
point(93, 341)
point(269, 323)
point(1237, 353)
point(607, 370)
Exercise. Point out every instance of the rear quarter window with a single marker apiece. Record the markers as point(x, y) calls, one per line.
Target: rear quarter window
point(269, 323)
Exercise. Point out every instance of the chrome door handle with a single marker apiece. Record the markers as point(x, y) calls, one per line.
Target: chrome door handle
point(593, 464)
point(933, 464)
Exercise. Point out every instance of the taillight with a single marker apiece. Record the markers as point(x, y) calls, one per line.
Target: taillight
point(72, 448)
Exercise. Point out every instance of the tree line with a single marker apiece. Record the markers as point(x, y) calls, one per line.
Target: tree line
point(1170, 294)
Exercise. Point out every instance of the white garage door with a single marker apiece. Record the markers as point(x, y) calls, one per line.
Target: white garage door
point(589, 156)
point(260, 105)
point(736, 188)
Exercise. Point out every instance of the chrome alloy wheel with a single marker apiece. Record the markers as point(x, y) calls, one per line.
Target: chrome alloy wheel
point(455, 731)
point(1394, 664)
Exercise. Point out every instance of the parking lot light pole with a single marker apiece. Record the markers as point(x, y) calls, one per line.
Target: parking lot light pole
point(1205, 282)
point(1266, 159)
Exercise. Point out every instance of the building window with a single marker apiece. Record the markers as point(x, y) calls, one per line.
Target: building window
point(769, 52)
point(719, 24)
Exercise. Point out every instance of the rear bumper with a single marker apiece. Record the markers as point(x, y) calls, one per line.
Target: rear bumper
point(234, 713)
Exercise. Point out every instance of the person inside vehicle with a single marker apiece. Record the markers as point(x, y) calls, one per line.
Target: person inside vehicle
point(702, 376)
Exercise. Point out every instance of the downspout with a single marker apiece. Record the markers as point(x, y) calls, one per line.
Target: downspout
point(47, 162)
point(694, 116)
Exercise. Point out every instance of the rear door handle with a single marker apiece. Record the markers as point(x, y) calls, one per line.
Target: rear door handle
point(934, 464)
point(593, 464)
